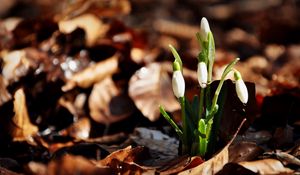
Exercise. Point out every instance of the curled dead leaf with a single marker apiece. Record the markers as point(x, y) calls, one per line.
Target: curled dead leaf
point(107, 104)
point(150, 87)
point(93, 27)
point(21, 128)
point(93, 74)
point(266, 166)
point(127, 154)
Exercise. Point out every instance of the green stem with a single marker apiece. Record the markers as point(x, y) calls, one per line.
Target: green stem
point(225, 73)
point(202, 137)
point(201, 102)
point(184, 126)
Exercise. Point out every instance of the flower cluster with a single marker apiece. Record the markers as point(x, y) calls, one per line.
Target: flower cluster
point(198, 116)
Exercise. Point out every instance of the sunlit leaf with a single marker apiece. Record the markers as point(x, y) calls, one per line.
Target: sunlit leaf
point(107, 104)
point(93, 27)
point(267, 166)
point(93, 74)
point(22, 128)
point(150, 87)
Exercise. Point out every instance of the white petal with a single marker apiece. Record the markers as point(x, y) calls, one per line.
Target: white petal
point(204, 29)
point(202, 74)
point(241, 91)
point(178, 84)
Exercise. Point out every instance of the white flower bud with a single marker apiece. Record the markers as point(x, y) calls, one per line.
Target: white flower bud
point(204, 29)
point(241, 90)
point(178, 84)
point(202, 74)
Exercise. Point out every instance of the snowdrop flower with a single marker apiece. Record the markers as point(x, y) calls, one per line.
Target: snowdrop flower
point(178, 83)
point(202, 74)
point(240, 87)
point(204, 29)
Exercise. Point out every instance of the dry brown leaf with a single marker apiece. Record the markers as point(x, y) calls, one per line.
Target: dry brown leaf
point(130, 168)
point(266, 166)
point(15, 65)
point(160, 144)
point(216, 163)
point(106, 103)
point(150, 87)
point(100, 8)
point(93, 27)
point(285, 157)
point(127, 154)
point(4, 94)
point(93, 74)
point(244, 151)
point(180, 164)
point(22, 128)
point(37, 168)
point(79, 129)
point(70, 165)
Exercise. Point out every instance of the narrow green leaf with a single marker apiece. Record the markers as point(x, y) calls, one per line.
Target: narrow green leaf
point(202, 126)
point(172, 123)
point(176, 55)
point(210, 55)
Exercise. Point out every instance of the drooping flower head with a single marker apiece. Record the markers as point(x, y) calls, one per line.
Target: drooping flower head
point(178, 83)
point(240, 87)
point(202, 74)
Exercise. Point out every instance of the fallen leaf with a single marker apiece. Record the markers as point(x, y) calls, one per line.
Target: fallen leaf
point(111, 8)
point(93, 27)
point(216, 163)
point(179, 164)
point(70, 165)
point(22, 128)
point(266, 166)
point(107, 104)
point(150, 87)
point(93, 74)
point(37, 168)
point(127, 154)
point(4, 94)
point(29, 32)
point(80, 129)
point(286, 158)
point(131, 168)
point(92, 151)
point(244, 151)
point(234, 168)
point(15, 65)
point(162, 147)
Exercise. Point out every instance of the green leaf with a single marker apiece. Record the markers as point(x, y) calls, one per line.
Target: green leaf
point(202, 126)
point(172, 123)
point(210, 55)
point(228, 68)
point(176, 55)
